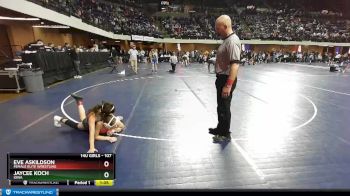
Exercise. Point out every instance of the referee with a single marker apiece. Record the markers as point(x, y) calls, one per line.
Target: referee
point(226, 68)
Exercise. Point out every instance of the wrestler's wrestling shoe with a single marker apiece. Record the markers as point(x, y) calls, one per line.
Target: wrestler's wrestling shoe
point(76, 97)
point(57, 121)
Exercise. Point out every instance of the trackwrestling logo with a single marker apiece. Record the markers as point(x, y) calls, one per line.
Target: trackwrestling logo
point(21, 191)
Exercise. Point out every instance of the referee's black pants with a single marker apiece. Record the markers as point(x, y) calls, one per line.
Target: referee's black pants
point(224, 105)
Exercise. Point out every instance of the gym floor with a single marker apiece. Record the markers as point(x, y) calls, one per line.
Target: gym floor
point(289, 127)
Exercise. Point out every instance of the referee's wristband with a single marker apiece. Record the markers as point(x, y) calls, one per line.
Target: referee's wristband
point(229, 83)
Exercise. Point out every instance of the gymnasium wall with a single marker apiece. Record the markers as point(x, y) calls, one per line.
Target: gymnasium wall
point(190, 47)
point(20, 34)
point(23, 34)
point(52, 36)
point(4, 45)
point(141, 46)
point(287, 48)
point(168, 46)
point(312, 48)
point(82, 39)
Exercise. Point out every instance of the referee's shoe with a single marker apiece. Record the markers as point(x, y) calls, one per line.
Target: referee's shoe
point(219, 138)
point(213, 131)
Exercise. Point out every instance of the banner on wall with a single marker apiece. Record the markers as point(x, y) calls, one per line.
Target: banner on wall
point(148, 39)
point(142, 38)
point(136, 37)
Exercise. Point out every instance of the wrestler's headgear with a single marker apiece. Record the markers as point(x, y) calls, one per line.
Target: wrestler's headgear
point(112, 122)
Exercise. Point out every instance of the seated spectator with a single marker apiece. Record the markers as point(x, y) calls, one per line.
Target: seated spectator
point(66, 47)
point(59, 49)
point(94, 48)
point(272, 20)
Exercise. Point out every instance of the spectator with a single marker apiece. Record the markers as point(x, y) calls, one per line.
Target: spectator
point(173, 62)
point(94, 48)
point(273, 20)
point(74, 53)
point(114, 54)
point(66, 47)
point(133, 58)
point(154, 60)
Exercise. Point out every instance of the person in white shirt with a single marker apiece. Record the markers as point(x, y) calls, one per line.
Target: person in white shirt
point(186, 59)
point(173, 62)
point(95, 48)
point(133, 58)
point(319, 57)
point(154, 60)
point(337, 57)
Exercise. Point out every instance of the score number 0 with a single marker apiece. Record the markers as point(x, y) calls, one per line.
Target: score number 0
point(106, 164)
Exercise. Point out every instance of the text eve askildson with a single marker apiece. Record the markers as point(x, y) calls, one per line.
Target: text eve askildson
point(34, 162)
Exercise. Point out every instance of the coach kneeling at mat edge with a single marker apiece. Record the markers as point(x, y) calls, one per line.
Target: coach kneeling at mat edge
point(226, 67)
